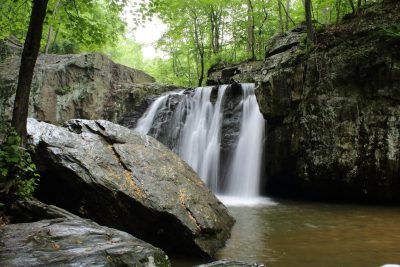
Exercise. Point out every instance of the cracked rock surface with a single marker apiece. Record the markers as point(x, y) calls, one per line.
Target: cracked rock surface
point(108, 173)
point(74, 242)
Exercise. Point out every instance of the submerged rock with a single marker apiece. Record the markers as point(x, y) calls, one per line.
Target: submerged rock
point(74, 242)
point(106, 172)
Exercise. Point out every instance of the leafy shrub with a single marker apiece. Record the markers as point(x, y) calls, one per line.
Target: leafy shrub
point(18, 175)
point(392, 32)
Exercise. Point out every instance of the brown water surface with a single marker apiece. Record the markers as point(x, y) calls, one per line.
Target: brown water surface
point(314, 234)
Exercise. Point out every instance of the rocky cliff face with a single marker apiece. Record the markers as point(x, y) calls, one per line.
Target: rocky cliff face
point(333, 109)
point(88, 86)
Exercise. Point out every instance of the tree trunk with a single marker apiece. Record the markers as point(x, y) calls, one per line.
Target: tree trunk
point(201, 77)
point(212, 24)
point(310, 28)
point(28, 61)
point(280, 16)
point(49, 36)
point(51, 28)
point(287, 11)
point(352, 6)
point(338, 10)
point(358, 5)
point(250, 30)
point(199, 41)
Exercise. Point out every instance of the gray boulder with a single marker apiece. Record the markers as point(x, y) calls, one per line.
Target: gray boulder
point(74, 242)
point(87, 86)
point(227, 73)
point(106, 172)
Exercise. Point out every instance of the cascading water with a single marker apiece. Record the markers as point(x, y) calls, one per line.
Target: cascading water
point(193, 129)
point(245, 169)
point(201, 135)
point(146, 121)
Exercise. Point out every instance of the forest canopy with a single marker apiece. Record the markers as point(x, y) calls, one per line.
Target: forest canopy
point(199, 33)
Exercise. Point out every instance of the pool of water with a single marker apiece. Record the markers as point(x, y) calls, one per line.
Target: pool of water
point(299, 234)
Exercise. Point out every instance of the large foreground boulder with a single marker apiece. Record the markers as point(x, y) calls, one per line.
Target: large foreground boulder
point(74, 242)
point(108, 173)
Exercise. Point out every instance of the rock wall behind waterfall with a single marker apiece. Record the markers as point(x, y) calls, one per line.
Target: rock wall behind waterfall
point(333, 110)
point(64, 87)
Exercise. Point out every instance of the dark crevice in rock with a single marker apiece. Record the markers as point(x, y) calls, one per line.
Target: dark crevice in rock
point(282, 49)
point(118, 156)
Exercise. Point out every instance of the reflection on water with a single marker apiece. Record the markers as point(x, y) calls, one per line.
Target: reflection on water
point(312, 234)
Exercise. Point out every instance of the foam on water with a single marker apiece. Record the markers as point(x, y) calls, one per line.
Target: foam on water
point(235, 201)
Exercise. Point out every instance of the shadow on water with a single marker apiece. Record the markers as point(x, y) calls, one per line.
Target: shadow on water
point(291, 233)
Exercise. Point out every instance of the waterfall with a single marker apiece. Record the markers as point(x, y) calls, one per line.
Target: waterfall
point(193, 129)
point(201, 135)
point(244, 172)
point(146, 121)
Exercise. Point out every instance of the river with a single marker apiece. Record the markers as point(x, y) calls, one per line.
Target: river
point(288, 233)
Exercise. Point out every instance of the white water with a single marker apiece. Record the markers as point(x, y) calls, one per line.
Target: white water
point(236, 201)
point(201, 135)
point(196, 126)
point(244, 172)
point(146, 121)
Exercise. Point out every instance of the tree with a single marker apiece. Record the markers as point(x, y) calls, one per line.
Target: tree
point(28, 61)
point(280, 16)
point(250, 30)
point(51, 27)
point(287, 12)
point(309, 23)
point(352, 6)
point(215, 22)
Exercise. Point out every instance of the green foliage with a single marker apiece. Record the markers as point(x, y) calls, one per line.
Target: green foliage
point(70, 26)
point(18, 175)
point(212, 31)
point(82, 25)
point(126, 52)
point(391, 32)
point(14, 18)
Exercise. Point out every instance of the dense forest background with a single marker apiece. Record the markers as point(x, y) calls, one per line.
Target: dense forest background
point(199, 33)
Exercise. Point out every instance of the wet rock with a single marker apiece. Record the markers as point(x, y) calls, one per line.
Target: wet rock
point(279, 44)
point(105, 172)
point(227, 73)
point(34, 210)
point(230, 129)
point(74, 242)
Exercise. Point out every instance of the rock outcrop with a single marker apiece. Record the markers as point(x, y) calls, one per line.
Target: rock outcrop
point(105, 172)
point(87, 86)
point(227, 73)
point(74, 242)
point(333, 110)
